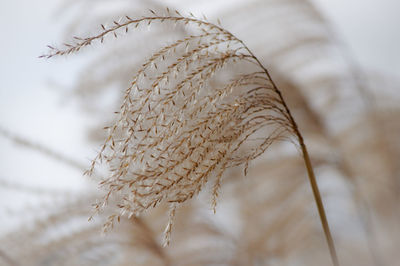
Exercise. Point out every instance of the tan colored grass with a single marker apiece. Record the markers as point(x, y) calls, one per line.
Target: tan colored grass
point(183, 121)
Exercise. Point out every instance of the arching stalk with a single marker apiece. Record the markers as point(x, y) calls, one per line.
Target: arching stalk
point(318, 201)
point(310, 170)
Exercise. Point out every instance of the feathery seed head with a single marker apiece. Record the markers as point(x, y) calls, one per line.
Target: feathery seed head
point(185, 119)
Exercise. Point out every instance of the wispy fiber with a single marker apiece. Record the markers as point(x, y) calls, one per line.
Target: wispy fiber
point(181, 124)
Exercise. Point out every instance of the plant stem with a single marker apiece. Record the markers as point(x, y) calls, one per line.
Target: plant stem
point(310, 170)
point(307, 161)
point(318, 201)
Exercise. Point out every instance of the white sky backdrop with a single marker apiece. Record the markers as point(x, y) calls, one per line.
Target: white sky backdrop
point(30, 107)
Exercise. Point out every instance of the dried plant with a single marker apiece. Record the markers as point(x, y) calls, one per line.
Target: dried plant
point(184, 120)
point(266, 218)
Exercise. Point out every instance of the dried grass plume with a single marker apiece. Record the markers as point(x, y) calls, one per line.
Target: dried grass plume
point(185, 119)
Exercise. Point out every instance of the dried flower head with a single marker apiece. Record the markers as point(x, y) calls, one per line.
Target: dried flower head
point(184, 120)
point(196, 107)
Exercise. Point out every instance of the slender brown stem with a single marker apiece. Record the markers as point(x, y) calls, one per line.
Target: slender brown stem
point(307, 161)
point(318, 201)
